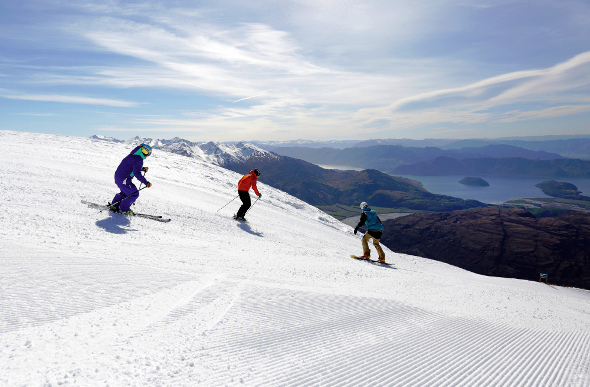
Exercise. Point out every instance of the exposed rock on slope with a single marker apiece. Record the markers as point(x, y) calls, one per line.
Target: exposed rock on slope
point(499, 242)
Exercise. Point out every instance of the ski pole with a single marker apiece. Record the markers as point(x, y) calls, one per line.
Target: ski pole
point(145, 169)
point(252, 205)
point(228, 203)
point(133, 193)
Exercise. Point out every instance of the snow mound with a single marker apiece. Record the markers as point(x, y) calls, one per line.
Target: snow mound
point(94, 298)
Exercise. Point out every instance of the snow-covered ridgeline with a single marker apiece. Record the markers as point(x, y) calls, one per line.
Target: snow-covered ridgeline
point(91, 298)
point(212, 152)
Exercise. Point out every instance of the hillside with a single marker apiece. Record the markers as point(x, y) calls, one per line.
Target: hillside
point(504, 167)
point(322, 187)
point(500, 242)
point(96, 299)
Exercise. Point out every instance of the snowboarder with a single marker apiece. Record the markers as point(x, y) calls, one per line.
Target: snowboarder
point(244, 185)
point(130, 167)
point(374, 230)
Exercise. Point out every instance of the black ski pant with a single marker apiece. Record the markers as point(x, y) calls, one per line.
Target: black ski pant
point(246, 203)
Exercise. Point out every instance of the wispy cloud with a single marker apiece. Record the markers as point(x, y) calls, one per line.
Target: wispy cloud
point(68, 99)
point(334, 67)
point(553, 92)
point(253, 96)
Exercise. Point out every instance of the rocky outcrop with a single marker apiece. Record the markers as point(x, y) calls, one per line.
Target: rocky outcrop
point(499, 242)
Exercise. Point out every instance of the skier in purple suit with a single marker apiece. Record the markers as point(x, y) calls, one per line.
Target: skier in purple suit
point(130, 167)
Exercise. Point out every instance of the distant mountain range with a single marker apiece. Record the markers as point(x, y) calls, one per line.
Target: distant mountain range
point(570, 146)
point(387, 158)
point(501, 167)
point(576, 148)
point(274, 145)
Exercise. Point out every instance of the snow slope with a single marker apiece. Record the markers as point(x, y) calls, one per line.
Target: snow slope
point(90, 298)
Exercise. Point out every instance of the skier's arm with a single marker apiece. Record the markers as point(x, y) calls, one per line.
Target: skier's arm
point(361, 222)
point(255, 188)
point(137, 169)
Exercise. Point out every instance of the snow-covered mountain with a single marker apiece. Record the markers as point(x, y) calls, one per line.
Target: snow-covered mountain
point(89, 298)
point(212, 152)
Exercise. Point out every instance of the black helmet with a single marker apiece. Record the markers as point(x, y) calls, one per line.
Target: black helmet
point(257, 172)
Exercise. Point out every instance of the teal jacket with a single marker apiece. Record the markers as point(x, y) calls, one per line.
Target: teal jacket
point(370, 219)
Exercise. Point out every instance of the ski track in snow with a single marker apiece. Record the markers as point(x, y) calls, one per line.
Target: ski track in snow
point(92, 298)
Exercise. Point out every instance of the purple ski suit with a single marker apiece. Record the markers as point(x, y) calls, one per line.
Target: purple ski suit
point(129, 168)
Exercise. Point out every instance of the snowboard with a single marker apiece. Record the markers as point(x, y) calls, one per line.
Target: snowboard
point(370, 260)
point(101, 207)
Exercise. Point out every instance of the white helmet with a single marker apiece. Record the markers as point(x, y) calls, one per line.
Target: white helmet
point(363, 205)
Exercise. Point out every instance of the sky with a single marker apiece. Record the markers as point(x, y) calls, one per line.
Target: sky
point(233, 70)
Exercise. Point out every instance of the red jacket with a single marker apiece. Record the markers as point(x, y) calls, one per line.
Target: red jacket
point(248, 181)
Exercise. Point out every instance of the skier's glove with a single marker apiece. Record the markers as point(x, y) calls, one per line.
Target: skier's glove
point(145, 169)
point(148, 184)
point(260, 196)
point(355, 231)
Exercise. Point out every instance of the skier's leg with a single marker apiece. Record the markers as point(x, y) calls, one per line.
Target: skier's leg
point(376, 238)
point(378, 248)
point(246, 203)
point(365, 243)
point(128, 189)
point(120, 195)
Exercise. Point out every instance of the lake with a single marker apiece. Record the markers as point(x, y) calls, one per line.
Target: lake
point(500, 190)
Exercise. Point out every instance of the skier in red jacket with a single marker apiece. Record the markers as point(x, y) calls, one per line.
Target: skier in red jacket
point(244, 185)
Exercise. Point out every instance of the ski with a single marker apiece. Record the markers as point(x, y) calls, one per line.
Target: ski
point(102, 207)
point(370, 260)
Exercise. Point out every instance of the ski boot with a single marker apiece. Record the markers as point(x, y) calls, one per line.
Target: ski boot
point(367, 255)
point(381, 260)
point(114, 208)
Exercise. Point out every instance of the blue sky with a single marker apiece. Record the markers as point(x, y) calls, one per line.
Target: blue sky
point(231, 70)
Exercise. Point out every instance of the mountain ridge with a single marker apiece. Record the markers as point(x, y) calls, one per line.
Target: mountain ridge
point(386, 158)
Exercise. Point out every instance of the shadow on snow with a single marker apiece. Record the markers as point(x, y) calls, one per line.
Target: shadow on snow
point(246, 227)
point(114, 223)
